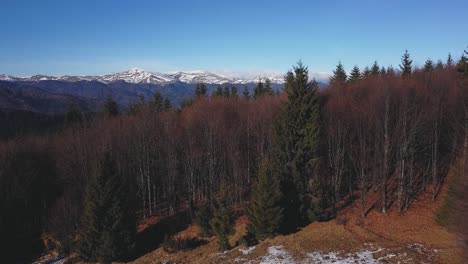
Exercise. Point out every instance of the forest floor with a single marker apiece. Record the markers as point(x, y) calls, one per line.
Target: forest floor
point(409, 237)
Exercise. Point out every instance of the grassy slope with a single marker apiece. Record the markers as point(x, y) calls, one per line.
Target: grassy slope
point(414, 237)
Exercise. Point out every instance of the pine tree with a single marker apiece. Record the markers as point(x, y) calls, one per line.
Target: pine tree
point(383, 71)
point(157, 104)
point(355, 74)
point(268, 89)
point(234, 91)
point(218, 92)
point(375, 70)
point(111, 108)
point(295, 144)
point(439, 65)
point(390, 70)
point(366, 73)
point(73, 115)
point(222, 221)
point(200, 90)
point(462, 65)
point(405, 65)
point(202, 219)
point(107, 230)
point(259, 89)
point(339, 74)
point(167, 105)
point(226, 91)
point(246, 93)
point(449, 61)
point(265, 213)
point(428, 65)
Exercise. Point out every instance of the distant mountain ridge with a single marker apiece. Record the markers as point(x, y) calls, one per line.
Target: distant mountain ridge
point(137, 75)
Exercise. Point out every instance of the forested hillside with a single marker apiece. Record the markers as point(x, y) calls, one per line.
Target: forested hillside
point(283, 159)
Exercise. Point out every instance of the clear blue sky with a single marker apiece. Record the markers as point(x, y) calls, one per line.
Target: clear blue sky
point(98, 36)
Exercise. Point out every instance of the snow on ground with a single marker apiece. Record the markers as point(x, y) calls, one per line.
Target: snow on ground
point(368, 255)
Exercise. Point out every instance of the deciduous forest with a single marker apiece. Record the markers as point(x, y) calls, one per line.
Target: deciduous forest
point(284, 159)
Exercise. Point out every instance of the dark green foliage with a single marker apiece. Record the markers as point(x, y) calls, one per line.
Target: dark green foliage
point(202, 219)
point(355, 74)
point(73, 115)
point(200, 89)
point(405, 65)
point(218, 92)
point(157, 104)
point(246, 93)
point(222, 221)
point(439, 65)
point(265, 213)
point(268, 89)
point(167, 105)
point(449, 61)
point(108, 226)
point(174, 244)
point(339, 74)
point(383, 71)
point(428, 65)
point(259, 89)
point(295, 139)
point(111, 108)
point(375, 70)
point(462, 65)
point(186, 103)
point(226, 91)
point(136, 107)
point(367, 72)
point(234, 91)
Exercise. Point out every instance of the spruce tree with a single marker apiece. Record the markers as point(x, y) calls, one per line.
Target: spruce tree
point(157, 104)
point(295, 144)
point(405, 65)
point(375, 70)
point(259, 89)
point(111, 108)
point(108, 227)
point(246, 93)
point(200, 89)
point(439, 65)
point(366, 73)
point(167, 105)
point(218, 92)
point(428, 65)
point(383, 71)
point(339, 74)
point(223, 221)
point(234, 91)
point(226, 91)
point(268, 89)
point(355, 74)
point(449, 61)
point(265, 213)
point(202, 219)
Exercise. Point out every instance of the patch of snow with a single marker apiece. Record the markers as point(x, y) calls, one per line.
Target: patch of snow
point(247, 251)
point(277, 255)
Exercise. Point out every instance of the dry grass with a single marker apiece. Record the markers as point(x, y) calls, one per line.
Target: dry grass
point(413, 234)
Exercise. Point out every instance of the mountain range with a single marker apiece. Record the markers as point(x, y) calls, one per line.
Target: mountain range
point(51, 93)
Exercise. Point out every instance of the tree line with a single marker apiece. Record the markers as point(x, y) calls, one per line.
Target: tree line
point(288, 158)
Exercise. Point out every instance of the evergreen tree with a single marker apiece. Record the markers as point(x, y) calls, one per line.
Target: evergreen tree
point(449, 60)
point(439, 65)
point(375, 70)
point(405, 65)
point(462, 65)
point(428, 65)
point(167, 105)
point(366, 73)
point(73, 115)
point(390, 70)
point(186, 103)
point(218, 92)
point(226, 91)
point(246, 93)
point(200, 89)
point(234, 91)
point(339, 74)
point(295, 144)
point(355, 74)
point(268, 89)
point(222, 221)
point(383, 71)
point(111, 108)
point(259, 89)
point(158, 102)
point(265, 213)
point(202, 219)
point(108, 225)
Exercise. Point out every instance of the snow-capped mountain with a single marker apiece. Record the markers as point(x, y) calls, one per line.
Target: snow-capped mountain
point(137, 75)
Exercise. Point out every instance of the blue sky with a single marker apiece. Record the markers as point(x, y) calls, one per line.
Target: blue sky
point(97, 37)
